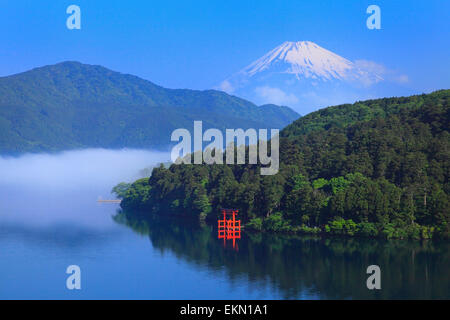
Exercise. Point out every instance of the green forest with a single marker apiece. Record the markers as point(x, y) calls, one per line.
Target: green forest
point(71, 105)
point(376, 168)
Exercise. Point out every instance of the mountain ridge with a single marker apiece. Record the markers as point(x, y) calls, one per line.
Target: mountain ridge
point(307, 77)
point(73, 105)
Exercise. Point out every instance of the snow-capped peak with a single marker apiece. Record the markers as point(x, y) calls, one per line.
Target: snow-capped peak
point(305, 59)
point(304, 75)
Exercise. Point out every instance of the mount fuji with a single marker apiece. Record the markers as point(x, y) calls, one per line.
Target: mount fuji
point(306, 76)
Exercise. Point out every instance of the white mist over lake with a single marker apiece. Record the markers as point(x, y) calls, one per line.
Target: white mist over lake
point(61, 188)
point(77, 169)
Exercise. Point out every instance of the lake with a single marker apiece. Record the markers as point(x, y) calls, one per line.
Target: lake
point(49, 221)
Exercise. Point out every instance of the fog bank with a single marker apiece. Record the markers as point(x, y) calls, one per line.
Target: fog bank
point(77, 169)
point(63, 188)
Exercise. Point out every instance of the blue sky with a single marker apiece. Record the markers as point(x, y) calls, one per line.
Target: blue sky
point(197, 44)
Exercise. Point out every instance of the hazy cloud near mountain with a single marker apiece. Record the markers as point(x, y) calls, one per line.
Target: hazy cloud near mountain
point(378, 68)
point(276, 96)
point(226, 87)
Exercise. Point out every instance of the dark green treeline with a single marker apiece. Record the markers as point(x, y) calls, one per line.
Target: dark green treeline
point(373, 168)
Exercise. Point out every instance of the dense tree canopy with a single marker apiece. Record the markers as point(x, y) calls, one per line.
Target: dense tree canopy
point(375, 168)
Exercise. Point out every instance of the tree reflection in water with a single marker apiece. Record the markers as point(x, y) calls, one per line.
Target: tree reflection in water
point(305, 266)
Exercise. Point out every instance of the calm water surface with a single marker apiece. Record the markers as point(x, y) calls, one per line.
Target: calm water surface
point(128, 258)
point(44, 229)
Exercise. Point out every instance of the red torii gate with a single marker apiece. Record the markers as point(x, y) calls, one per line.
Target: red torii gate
point(229, 228)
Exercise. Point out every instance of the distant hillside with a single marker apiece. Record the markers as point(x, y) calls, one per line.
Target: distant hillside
point(73, 105)
point(346, 114)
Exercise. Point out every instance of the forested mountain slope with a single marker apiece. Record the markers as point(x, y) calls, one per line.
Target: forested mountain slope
point(376, 168)
point(73, 105)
